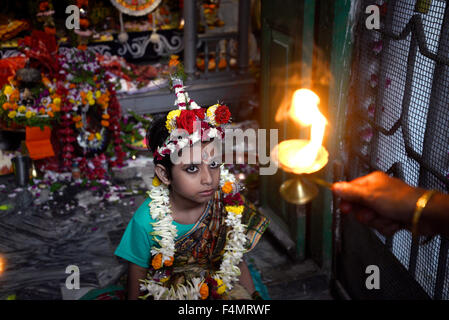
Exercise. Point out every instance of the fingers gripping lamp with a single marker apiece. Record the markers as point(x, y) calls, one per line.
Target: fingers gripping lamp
point(300, 156)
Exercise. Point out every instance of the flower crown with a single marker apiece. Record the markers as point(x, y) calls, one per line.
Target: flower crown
point(190, 123)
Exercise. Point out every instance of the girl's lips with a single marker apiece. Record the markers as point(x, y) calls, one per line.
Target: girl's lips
point(207, 193)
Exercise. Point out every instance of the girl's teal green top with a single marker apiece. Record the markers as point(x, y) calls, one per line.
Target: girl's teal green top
point(137, 241)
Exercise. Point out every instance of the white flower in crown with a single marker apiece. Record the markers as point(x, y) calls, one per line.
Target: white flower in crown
point(212, 133)
point(172, 147)
point(195, 136)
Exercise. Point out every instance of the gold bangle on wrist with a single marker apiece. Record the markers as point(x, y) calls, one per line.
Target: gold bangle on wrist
point(421, 203)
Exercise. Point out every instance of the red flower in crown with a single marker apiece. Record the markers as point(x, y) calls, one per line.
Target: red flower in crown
point(222, 114)
point(200, 113)
point(185, 120)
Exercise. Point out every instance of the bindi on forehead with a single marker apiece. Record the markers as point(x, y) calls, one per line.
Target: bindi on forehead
point(204, 153)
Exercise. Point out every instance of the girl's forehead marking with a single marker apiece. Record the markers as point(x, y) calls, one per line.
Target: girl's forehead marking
point(209, 153)
point(206, 157)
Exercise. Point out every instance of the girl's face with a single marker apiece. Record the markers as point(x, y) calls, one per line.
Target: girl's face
point(196, 181)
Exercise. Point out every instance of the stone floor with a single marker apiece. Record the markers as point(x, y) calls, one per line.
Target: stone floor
point(40, 238)
point(284, 278)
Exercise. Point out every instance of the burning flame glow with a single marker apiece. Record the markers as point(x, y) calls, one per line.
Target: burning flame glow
point(304, 156)
point(2, 265)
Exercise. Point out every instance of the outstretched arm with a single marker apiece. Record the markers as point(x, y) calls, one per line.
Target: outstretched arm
point(388, 204)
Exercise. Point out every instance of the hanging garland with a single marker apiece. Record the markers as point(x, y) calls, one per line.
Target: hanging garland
point(90, 91)
point(86, 89)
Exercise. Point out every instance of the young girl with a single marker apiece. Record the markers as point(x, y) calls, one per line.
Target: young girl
point(187, 239)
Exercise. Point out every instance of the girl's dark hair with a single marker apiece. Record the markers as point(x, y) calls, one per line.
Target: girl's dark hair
point(156, 135)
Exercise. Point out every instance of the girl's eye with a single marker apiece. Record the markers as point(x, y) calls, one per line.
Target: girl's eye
point(192, 169)
point(214, 164)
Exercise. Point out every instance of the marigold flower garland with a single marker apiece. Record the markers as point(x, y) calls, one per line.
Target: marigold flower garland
point(46, 107)
point(165, 232)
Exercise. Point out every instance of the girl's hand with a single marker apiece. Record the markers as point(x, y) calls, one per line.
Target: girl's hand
point(379, 201)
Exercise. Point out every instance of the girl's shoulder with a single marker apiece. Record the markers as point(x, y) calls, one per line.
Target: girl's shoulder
point(142, 215)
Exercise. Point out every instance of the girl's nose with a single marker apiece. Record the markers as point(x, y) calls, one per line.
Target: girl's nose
point(206, 176)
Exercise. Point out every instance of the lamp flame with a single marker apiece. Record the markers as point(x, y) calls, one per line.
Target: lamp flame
point(2, 265)
point(304, 156)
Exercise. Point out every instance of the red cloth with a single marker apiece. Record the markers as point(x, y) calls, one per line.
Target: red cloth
point(38, 142)
point(42, 47)
point(8, 68)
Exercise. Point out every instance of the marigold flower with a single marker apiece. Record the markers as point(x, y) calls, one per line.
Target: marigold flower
point(84, 23)
point(105, 123)
point(157, 261)
point(170, 124)
point(42, 111)
point(221, 287)
point(235, 209)
point(91, 137)
point(79, 125)
point(8, 90)
point(98, 136)
point(57, 101)
point(165, 279)
point(12, 114)
point(105, 116)
point(211, 113)
point(15, 95)
point(45, 81)
point(169, 263)
point(204, 291)
point(22, 109)
point(156, 182)
point(173, 61)
point(50, 114)
point(227, 187)
point(97, 94)
point(28, 114)
point(7, 106)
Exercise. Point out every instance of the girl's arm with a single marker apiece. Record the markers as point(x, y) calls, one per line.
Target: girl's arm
point(245, 278)
point(135, 273)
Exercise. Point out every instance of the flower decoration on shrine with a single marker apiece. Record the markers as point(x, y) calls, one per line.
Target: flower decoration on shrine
point(89, 96)
point(25, 108)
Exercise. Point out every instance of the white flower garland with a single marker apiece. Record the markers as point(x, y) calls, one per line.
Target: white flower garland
point(164, 228)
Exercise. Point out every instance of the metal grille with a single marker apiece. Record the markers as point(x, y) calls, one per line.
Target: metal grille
point(401, 105)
